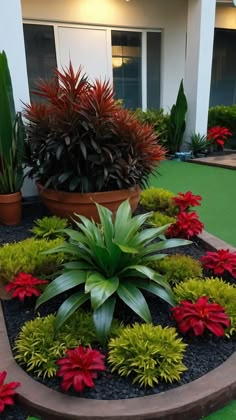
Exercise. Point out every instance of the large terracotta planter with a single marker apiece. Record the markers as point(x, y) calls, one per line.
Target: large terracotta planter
point(65, 204)
point(10, 208)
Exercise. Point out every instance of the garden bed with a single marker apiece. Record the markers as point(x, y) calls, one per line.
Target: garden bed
point(194, 400)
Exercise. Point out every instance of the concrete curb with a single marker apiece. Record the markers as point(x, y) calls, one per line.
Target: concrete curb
point(191, 401)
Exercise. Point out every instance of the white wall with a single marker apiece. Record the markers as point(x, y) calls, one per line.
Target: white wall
point(168, 15)
point(225, 17)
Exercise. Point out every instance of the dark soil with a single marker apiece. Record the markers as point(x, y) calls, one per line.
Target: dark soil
point(203, 354)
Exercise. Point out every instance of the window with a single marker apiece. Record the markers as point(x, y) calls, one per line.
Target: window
point(130, 52)
point(223, 81)
point(40, 53)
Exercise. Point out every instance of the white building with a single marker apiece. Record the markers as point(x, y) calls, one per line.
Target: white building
point(145, 47)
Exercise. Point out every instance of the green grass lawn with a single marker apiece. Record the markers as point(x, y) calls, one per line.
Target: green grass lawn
point(217, 186)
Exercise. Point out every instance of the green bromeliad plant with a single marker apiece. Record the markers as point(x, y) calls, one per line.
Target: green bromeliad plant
point(109, 262)
point(12, 135)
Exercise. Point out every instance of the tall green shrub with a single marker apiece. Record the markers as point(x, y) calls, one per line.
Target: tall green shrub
point(158, 120)
point(177, 123)
point(224, 116)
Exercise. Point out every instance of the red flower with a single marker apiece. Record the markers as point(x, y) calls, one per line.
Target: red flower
point(24, 285)
point(201, 315)
point(80, 368)
point(220, 261)
point(218, 134)
point(187, 225)
point(6, 391)
point(184, 201)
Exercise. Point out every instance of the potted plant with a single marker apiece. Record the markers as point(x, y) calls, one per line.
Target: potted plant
point(82, 147)
point(12, 137)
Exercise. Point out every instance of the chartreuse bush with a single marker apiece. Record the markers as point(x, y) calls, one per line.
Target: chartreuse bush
point(158, 199)
point(148, 354)
point(215, 289)
point(49, 227)
point(27, 256)
point(109, 262)
point(39, 344)
point(177, 268)
point(159, 219)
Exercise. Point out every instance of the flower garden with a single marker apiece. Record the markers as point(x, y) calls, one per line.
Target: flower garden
point(129, 307)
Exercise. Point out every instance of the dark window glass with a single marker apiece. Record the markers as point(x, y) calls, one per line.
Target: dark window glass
point(223, 80)
point(40, 53)
point(126, 64)
point(153, 69)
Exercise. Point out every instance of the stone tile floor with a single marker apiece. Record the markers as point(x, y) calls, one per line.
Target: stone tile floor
point(224, 161)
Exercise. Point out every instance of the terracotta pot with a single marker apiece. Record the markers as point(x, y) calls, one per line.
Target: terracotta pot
point(65, 204)
point(10, 208)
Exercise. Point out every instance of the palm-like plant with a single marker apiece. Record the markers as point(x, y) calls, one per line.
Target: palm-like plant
point(110, 260)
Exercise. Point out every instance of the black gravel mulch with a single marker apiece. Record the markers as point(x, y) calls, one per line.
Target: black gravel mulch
point(202, 355)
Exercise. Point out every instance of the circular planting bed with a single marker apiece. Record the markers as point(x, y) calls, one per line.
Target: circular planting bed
point(207, 384)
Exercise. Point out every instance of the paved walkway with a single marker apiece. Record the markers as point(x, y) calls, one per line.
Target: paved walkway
point(224, 161)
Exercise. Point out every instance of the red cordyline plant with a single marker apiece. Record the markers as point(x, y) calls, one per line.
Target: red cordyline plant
point(24, 285)
point(200, 316)
point(186, 200)
point(80, 139)
point(220, 261)
point(79, 368)
point(218, 135)
point(7, 391)
point(186, 226)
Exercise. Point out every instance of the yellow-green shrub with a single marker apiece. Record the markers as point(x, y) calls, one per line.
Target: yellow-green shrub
point(50, 227)
point(215, 289)
point(158, 199)
point(159, 219)
point(40, 345)
point(148, 353)
point(177, 268)
point(27, 256)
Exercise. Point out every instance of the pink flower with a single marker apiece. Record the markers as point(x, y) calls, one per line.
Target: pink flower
point(220, 261)
point(24, 285)
point(7, 392)
point(201, 315)
point(184, 201)
point(80, 368)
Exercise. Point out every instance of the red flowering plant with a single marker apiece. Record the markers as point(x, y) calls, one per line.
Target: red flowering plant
point(220, 261)
point(186, 226)
point(80, 367)
point(199, 316)
point(218, 135)
point(24, 285)
point(186, 200)
point(7, 391)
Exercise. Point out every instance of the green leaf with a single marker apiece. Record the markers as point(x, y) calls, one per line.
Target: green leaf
point(132, 270)
point(61, 284)
point(78, 265)
point(132, 297)
point(152, 287)
point(6, 113)
point(100, 288)
point(123, 216)
point(69, 307)
point(102, 319)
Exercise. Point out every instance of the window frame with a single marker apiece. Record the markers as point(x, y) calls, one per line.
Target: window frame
point(109, 30)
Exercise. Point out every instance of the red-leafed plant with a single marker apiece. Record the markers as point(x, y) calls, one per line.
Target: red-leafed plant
point(79, 368)
point(80, 139)
point(200, 316)
point(220, 261)
point(186, 226)
point(7, 391)
point(218, 135)
point(24, 285)
point(186, 200)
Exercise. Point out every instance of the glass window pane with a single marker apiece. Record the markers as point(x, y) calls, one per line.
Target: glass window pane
point(153, 69)
point(223, 80)
point(40, 53)
point(126, 63)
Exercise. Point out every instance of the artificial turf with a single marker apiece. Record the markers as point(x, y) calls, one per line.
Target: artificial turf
point(227, 413)
point(217, 186)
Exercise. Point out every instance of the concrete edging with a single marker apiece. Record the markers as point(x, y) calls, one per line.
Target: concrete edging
point(191, 401)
